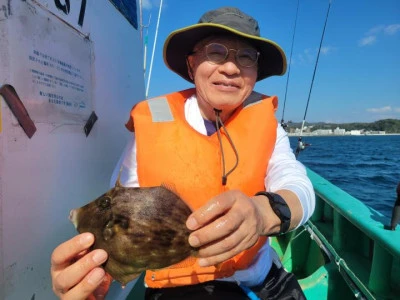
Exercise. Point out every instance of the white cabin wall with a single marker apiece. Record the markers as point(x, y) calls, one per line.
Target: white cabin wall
point(59, 168)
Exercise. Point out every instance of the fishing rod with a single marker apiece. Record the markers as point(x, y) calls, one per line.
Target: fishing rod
point(358, 288)
point(284, 125)
point(300, 144)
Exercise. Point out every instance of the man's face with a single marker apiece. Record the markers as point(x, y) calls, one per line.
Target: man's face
point(224, 85)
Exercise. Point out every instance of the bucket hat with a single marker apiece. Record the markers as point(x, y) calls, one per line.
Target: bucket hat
point(231, 20)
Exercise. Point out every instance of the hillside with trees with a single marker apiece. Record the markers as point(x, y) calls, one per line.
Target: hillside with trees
point(387, 125)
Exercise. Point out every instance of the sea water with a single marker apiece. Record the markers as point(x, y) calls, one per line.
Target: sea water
point(367, 167)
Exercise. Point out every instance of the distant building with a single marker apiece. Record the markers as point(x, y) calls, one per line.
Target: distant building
point(322, 132)
point(339, 131)
point(355, 132)
point(376, 132)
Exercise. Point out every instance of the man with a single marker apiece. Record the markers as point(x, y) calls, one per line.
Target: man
point(223, 150)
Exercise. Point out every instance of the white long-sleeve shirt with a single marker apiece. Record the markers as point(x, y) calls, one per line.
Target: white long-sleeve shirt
point(284, 172)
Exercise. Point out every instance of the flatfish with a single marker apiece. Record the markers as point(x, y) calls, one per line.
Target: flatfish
point(140, 229)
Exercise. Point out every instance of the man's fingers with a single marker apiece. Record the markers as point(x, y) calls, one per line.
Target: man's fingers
point(226, 248)
point(73, 274)
point(216, 230)
point(210, 211)
point(84, 289)
point(67, 251)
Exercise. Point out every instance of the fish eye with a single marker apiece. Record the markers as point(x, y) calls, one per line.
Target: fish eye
point(104, 202)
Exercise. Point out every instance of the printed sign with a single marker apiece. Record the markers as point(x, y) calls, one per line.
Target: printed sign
point(50, 66)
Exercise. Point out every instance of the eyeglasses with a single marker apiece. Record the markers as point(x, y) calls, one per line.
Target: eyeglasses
point(217, 53)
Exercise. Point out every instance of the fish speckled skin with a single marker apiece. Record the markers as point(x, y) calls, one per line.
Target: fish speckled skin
point(140, 228)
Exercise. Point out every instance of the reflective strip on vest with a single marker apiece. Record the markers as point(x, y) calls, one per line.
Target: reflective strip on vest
point(160, 110)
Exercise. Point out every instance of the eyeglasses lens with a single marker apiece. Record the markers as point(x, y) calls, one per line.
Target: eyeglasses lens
point(218, 53)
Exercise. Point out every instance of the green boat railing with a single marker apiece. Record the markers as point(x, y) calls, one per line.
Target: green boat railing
point(356, 256)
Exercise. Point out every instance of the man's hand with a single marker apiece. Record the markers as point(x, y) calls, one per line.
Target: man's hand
point(75, 271)
point(227, 225)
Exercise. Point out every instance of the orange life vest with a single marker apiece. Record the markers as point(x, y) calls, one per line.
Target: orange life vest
point(171, 152)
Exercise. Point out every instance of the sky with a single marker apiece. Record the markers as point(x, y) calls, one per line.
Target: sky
point(357, 77)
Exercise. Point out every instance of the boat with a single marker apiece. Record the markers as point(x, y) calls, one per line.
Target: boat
point(61, 134)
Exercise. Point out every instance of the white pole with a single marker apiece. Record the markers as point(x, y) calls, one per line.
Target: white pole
point(154, 47)
point(146, 38)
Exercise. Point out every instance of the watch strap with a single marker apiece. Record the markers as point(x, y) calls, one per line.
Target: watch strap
point(280, 208)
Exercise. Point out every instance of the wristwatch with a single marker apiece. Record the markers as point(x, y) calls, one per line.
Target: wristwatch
point(280, 208)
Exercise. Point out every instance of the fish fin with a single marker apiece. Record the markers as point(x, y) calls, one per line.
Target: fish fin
point(118, 182)
point(171, 187)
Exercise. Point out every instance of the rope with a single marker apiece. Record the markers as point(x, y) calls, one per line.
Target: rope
point(218, 123)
